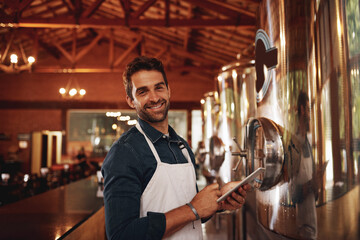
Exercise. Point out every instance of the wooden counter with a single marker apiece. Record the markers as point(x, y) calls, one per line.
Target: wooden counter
point(54, 214)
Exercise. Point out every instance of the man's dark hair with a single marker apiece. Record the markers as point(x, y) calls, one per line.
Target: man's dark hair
point(138, 64)
point(303, 99)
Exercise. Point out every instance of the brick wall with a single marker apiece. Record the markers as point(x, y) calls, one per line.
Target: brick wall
point(20, 121)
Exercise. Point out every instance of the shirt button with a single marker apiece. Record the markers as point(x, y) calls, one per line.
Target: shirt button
point(164, 136)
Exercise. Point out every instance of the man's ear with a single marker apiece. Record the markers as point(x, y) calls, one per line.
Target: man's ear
point(169, 91)
point(130, 102)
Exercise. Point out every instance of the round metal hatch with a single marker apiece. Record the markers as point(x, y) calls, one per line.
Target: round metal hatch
point(264, 149)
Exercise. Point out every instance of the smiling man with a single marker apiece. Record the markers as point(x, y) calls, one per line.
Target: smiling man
point(150, 185)
point(151, 97)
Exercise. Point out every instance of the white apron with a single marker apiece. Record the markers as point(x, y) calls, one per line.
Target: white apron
point(171, 186)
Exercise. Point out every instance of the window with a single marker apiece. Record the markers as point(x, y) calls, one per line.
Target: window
point(96, 130)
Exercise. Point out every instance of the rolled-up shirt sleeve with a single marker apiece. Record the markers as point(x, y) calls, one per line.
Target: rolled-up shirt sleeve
point(123, 187)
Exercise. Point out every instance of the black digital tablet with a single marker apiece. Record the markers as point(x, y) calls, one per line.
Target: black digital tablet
point(248, 179)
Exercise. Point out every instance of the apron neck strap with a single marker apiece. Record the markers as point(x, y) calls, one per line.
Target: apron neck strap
point(184, 151)
point(152, 147)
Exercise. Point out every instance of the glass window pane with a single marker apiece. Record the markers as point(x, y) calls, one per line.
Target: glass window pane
point(196, 128)
point(96, 130)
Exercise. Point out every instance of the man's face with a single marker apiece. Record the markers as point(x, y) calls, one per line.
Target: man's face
point(306, 115)
point(151, 97)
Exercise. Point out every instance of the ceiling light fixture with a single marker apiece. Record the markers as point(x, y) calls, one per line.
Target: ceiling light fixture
point(14, 66)
point(72, 91)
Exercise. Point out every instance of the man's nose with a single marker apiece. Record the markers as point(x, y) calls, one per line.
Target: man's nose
point(153, 96)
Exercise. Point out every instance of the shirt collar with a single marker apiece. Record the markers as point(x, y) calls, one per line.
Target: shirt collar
point(154, 135)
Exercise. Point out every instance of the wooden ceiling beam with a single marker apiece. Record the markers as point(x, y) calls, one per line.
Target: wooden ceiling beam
point(111, 48)
point(188, 30)
point(58, 69)
point(215, 54)
point(161, 52)
point(245, 31)
point(64, 52)
point(220, 47)
point(87, 49)
point(192, 56)
point(3, 56)
point(210, 68)
point(78, 4)
point(193, 30)
point(63, 22)
point(78, 9)
point(187, 39)
point(167, 12)
point(49, 49)
point(92, 9)
point(14, 4)
point(47, 11)
point(125, 4)
point(218, 38)
point(70, 6)
point(254, 2)
point(214, 6)
point(35, 49)
point(73, 48)
point(222, 56)
point(127, 52)
point(160, 39)
point(53, 9)
point(23, 5)
point(235, 8)
point(143, 8)
point(23, 55)
point(142, 47)
point(193, 23)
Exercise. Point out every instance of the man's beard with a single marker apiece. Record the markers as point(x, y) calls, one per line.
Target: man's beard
point(154, 117)
point(306, 120)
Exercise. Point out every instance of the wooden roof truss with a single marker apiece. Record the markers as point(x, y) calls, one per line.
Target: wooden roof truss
point(187, 34)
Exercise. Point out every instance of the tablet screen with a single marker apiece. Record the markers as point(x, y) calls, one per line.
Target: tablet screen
point(248, 179)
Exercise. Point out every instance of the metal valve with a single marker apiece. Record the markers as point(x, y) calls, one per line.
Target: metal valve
point(242, 153)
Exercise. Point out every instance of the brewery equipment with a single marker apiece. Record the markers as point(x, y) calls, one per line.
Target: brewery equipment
point(223, 120)
point(306, 128)
point(303, 126)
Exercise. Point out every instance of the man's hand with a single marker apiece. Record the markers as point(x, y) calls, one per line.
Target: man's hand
point(205, 201)
point(236, 199)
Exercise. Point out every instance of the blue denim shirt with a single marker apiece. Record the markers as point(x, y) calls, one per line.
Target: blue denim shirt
point(127, 169)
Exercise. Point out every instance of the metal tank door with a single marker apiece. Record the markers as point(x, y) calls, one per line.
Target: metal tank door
point(263, 148)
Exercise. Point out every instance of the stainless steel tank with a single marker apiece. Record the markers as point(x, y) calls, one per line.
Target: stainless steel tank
point(223, 120)
point(235, 88)
point(306, 129)
point(225, 113)
point(210, 116)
